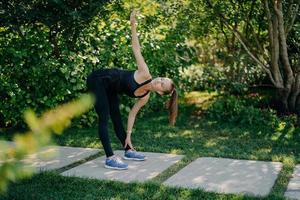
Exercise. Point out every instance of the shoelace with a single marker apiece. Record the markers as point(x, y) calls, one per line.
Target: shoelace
point(117, 159)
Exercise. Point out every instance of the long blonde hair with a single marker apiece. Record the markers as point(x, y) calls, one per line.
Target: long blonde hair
point(172, 104)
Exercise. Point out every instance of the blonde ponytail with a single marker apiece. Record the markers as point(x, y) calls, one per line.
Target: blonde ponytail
point(173, 107)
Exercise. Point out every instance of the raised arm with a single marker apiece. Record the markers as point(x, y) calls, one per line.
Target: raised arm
point(142, 66)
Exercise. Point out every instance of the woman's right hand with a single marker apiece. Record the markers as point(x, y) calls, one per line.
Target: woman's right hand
point(128, 142)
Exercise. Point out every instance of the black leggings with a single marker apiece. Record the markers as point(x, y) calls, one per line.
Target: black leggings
point(107, 103)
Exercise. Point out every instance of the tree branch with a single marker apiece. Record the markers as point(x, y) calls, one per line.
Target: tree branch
point(274, 46)
point(239, 37)
point(270, 27)
point(266, 68)
point(288, 27)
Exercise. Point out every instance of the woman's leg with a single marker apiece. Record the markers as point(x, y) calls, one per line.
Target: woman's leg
point(96, 86)
point(116, 118)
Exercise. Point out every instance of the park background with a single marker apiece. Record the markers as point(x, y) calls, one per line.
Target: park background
point(236, 65)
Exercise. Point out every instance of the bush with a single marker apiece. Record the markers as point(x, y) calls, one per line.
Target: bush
point(211, 78)
point(231, 109)
point(31, 77)
point(201, 77)
point(38, 74)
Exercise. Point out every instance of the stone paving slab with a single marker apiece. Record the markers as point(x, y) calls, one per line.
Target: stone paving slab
point(293, 189)
point(63, 156)
point(138, 171)
point(227, 176)
point(55, 157)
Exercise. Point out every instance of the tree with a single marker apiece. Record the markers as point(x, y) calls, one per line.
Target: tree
point(279, 55)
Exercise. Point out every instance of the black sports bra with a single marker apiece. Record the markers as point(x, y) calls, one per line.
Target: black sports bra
point(128, 84)
point(122, 81)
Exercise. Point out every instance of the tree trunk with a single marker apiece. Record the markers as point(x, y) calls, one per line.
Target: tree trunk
point(298, 106)
point(295, 96)
point(292, 82)
point(281, 72)
point(282, 99)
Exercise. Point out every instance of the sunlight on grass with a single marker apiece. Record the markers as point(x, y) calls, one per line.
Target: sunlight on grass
point(157, 135)
point(185, 194)
point(281, 126)
point(285, 174)
point(172, 135)
point(287, 160)
point(199, 98)
point(276, 135)
point(176, 151)
point(253, 157)
point(290, 132)
point(211, 143)
point(263, 151)
point(95, 144)
point(187, 134)
point(140, 190)
point(160, 193)
point(284, 131)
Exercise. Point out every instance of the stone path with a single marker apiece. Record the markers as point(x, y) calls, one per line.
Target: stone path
point(228, 176)
point(55, 157)
point(63, 156)
point(222, 175)
point(138, 171)
point(293, 189)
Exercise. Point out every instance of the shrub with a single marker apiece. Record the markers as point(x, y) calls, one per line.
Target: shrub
point(242, 112)
point(32, 74)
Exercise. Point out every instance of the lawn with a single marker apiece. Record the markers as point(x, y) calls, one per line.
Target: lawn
point(193, 136)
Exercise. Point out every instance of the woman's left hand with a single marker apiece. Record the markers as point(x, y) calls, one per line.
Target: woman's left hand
point(128, 142)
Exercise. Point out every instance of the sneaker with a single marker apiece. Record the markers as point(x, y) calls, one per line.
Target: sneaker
point(115, 163)
point(133, 155)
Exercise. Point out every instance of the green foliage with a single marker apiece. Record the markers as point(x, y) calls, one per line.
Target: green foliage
point(42, 70)
point(210, 78)
point(218, 47)
point(241, 111)
point(202, 77)
point(13, 166)
point(32, 78)
point(60, 16)
point(235, 88)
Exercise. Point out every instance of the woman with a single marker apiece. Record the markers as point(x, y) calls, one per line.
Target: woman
point(106, 84)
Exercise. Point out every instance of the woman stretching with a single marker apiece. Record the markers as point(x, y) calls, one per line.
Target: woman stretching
point(106, 84)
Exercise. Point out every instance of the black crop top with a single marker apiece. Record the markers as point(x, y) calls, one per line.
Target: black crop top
point(121, 81)
point(128, 84)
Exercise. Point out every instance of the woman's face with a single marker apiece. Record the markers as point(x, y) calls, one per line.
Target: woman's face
point(161, 84)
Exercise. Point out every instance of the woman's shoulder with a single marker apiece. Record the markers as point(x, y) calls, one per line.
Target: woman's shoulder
point(143, 75)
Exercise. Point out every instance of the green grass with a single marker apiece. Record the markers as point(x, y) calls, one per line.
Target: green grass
point(194, 136)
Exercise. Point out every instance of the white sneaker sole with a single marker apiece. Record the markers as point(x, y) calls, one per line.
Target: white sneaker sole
point(117, 168)
point(136, 159)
